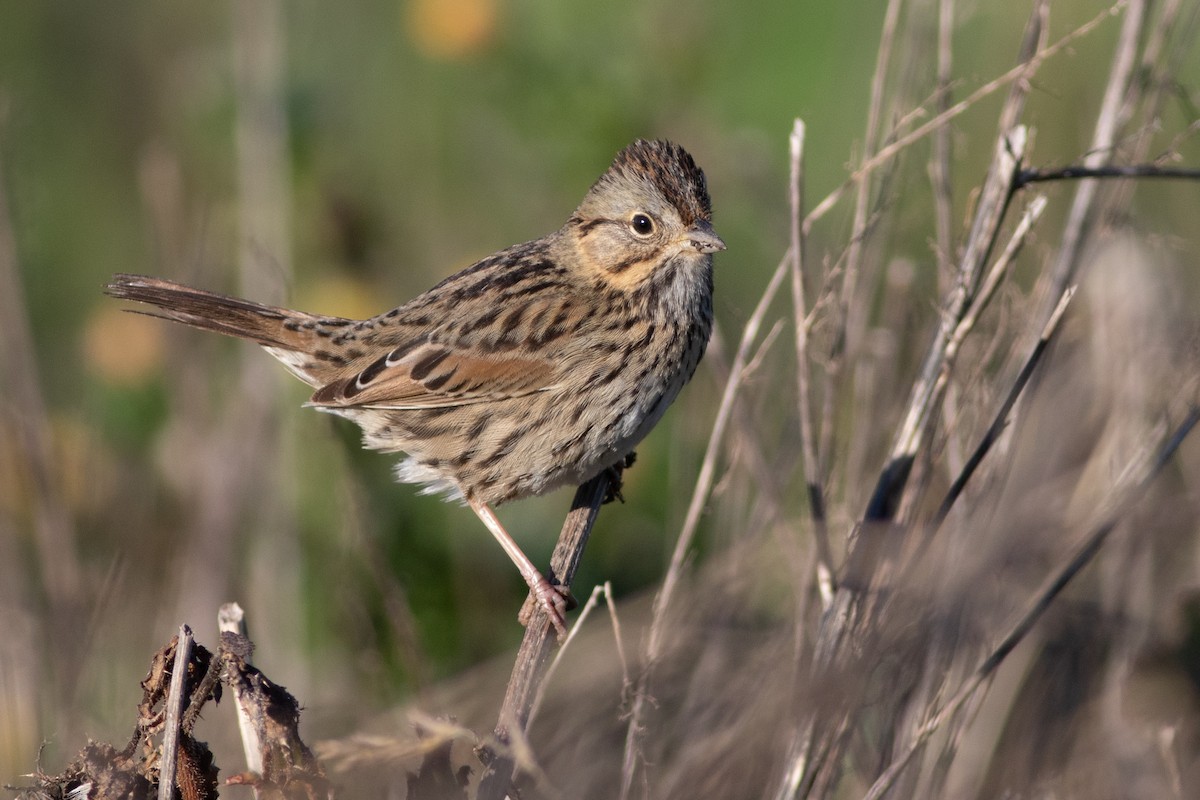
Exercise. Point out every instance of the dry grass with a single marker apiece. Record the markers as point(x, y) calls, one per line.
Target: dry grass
point(950, 534)
point(977, 640)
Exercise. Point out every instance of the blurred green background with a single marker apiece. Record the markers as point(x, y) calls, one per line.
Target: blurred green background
point(416, 137)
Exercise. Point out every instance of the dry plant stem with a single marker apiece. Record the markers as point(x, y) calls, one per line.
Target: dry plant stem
point(862, 196)
point(616, 626)
point(942, 190)
point(604, 591)
point(747, 452)
point(845, 336)
point(966, 325)
point(264, 212)
point(1028, 176)
point(1108, 124)
point(744, 438)
point(938, 362)
point(812, 467)
point(993, 202)
point(580, 618)
point(523, 755)
point(982, 299)
point(989, 214)
point(232, 619)
point(1001, 419)
point(843, 615)
point(1084, 554)
point(1152, 74)
point(1169, 41)
point(539, 641)
point(704, 481)
point(1021, 72)
point(939, 160)
point(1166, 47)
point(1170, 760)
point(802, 779)
point(174, 709)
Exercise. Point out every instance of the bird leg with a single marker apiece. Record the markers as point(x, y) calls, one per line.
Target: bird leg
point(554, 600)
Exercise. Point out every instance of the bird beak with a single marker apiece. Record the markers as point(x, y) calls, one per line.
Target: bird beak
point(703, 238)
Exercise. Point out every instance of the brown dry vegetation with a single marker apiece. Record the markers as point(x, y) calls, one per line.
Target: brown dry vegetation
point(947, 510)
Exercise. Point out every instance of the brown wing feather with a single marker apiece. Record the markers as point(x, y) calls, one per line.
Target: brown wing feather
point(437, 375)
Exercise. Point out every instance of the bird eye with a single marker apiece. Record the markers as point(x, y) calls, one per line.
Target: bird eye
point(642, 224)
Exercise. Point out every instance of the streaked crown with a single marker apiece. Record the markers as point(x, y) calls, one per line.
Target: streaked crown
point(669, 169)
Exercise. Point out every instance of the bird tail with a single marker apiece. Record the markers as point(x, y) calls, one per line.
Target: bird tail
point(286, 334)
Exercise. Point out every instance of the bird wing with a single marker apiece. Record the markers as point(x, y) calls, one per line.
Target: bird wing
point(494, 331)
point(428, 374)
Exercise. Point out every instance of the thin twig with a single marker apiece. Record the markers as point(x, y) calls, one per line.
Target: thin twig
point(530, 668)
point(1150, 71)
point(862, 197)
point(1083, 556)
point(942, 187)
point(812, 468)
point(849, 308)
point(979, 304)
point(991, 282)
point(261, 142)
point(861, 564)
point(927, 390)
point(939, 159)
point(1108, 124)
point(232, 619)
point(174, 709)
point(745, 434)
point(1021, 72)
point(584, 613)
point(1001, 419)
point(626, 683)
point(604, 591)
point(1159, 61)
point(992, 205)
point(1028, 176)
point(744, 438)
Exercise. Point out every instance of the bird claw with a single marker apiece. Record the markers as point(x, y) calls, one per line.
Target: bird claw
point(615, 480)
point(554, 601)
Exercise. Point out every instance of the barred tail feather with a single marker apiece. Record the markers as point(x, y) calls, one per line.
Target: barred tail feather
point(206, 310)
point(290, 336)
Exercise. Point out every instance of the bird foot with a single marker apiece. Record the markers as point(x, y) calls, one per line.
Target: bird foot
point(555, 601)
point(615, 473)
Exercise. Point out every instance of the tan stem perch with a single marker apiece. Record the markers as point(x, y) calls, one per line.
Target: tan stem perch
point(232, 619)
point(538, 644)
point(170, 745)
